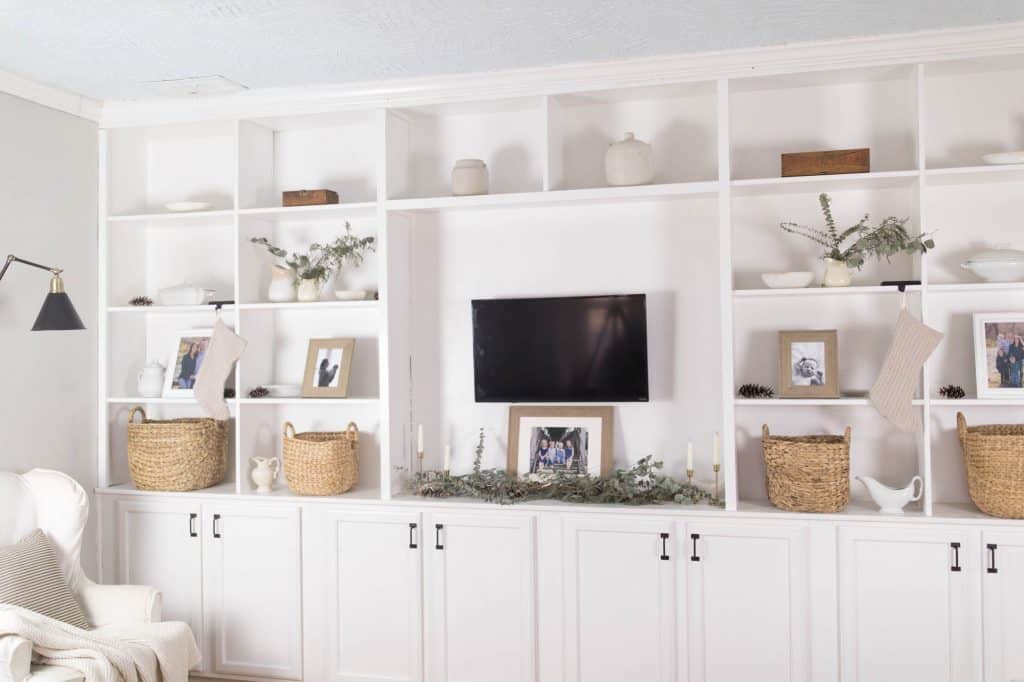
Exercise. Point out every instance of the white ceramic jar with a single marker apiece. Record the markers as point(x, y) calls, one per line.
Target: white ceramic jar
point(469, 176)
point(309, 290)
point(628, 162)
point(151, 380)
point(282, 285)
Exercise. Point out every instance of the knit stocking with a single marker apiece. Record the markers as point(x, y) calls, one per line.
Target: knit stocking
point(225, 348)
point(893, 392)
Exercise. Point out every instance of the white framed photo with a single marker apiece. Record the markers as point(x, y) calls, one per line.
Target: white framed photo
point(567, 440)
point(999, 354)
point(187, 355)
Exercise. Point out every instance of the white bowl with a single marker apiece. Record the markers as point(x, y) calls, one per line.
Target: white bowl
point(183, 206)
point(1003, 159)
point(787, 280)
point(351, 294)
point(997, 265)
point(284, 390)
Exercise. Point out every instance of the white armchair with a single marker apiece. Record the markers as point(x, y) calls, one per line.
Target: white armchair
point(54, 502)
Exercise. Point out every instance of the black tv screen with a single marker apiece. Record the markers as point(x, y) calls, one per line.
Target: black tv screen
point(579, 349)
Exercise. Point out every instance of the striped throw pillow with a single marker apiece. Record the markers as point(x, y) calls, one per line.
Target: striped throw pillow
point(30, 577)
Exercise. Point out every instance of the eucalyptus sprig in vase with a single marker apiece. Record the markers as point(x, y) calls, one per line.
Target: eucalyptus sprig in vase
point(849, 248)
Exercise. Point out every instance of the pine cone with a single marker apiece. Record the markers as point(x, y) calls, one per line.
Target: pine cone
point(259, 392)
point(141, 301)
point(756, 391)
point(952, 392)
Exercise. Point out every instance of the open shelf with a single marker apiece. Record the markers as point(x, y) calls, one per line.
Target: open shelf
point(809, 402)
point(823, 291)
point(185, 217)
point(340, 210)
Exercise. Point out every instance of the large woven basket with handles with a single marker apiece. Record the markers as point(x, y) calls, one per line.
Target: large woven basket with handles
point(807, 473)
point(176, 455)
point(321, 462)
point(994, 457)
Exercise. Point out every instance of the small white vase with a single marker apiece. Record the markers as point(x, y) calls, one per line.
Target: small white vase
point(628, 162)
point(837, 274)
point(469, 177)
point(309, 290)
point(282, 285)
point(264, 473)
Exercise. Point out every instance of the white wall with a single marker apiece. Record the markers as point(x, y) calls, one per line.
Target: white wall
point(48, 190)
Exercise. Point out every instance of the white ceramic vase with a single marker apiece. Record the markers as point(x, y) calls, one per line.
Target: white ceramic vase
point(264, 473)
point(282, 285)
point(151, 380)
point(309, 290)
point(469, 176)
point(837, 274)
point(628, 162)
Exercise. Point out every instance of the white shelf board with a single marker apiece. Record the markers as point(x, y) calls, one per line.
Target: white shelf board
point(978, 402)
point(167, 309)
point(809, 402)
point(139, 400)
point(553, 197)
point(321, 210)
point(309, 401)
point(314, 305)
point(834, 182)
point(172, 217)
point(973, 173)
point(969, 287)
point(821, 291)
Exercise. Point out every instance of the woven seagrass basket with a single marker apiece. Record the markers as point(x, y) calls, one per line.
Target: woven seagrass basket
point(176, 455)
point(807, 473)
point(994, 457)
point(321, 462)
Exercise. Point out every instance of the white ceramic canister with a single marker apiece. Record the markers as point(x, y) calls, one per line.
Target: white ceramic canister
point(282, 285)
point(469, 176)
point(628, 162)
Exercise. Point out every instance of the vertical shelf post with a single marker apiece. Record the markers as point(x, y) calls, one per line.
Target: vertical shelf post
point(725, 297)
point(925, 448)
point(102, 408)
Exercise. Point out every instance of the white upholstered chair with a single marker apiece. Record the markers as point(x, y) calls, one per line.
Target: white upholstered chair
point(54, 502)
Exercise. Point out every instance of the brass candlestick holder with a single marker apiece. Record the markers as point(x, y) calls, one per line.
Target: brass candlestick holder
point(717, 468)
point(689, 476)
point(419, 462)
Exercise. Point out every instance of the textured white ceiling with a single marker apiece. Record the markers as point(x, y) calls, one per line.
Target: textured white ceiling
point(107, 48)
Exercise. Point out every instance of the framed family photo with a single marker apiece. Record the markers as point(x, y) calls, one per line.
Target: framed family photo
point(571, 440)
point(188, 352)
point(328, 364)
point(809, 364)
point(999, 354)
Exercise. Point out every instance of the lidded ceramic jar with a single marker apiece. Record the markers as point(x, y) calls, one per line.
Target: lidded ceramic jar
point(469, 176)
point(628, 162)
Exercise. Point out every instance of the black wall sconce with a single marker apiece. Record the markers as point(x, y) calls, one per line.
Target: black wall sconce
point(57, 313)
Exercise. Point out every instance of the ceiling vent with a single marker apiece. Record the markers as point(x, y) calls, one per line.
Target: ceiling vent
point(191, 86)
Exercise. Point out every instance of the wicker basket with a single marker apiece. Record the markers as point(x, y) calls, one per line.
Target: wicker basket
point(176, 455)
point(994, 457)
point(807, 473)
point(321, 462)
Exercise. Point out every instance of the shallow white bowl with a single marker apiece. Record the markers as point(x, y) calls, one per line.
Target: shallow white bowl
point(787, 280)
point(351, 294)
point(284, 390)
point(183, 206)
point(1003, 159)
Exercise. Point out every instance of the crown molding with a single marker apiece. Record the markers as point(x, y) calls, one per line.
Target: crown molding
point(894, 49)
point(49, 96)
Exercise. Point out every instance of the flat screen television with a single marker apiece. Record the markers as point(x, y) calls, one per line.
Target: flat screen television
point(578, 349)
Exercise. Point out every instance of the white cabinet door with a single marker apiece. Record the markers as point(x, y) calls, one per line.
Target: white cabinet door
point(908, 604)
point(480, 597)
point(253, 589)
point(363, 595)
point(747, 588)
point(621, 583)
point(159, 544)
point(1003, 590)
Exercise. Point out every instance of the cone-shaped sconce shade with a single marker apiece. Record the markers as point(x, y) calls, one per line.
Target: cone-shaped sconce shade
point(57, 313)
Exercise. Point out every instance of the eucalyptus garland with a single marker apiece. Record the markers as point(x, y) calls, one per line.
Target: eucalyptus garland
point(643, 483)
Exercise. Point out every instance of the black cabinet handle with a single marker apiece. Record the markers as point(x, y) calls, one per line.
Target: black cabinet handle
point(192, 525)
point(438, 527)
point(694, 537)
point(992, 558)
point(412, 541)
point(956, 557)
point(664, 546)
point(216, 526)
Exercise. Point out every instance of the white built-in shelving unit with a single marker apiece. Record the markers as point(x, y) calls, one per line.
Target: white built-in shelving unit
point(695, 242)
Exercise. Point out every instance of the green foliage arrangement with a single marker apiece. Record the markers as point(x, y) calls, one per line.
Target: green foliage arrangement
point(643, 483)
point(323, 259)
point(856, 243)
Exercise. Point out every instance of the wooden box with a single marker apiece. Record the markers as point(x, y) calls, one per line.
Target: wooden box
point(832, 162)
point(309, 197)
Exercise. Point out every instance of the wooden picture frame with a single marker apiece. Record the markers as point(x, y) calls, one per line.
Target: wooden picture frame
point(338, 368)
point(576, 425)
point(815, 373)
point(995, 379)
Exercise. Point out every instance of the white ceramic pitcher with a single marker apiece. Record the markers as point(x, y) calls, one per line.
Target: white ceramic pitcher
point(264, 472)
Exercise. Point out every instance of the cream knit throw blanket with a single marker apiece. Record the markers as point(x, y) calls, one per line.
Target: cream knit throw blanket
point(893, 392)
point(148, 652)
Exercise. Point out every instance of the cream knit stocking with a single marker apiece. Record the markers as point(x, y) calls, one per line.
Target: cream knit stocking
point(225, 348)
point(893, 392)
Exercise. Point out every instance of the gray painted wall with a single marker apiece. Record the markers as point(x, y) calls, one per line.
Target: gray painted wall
point(48, 190)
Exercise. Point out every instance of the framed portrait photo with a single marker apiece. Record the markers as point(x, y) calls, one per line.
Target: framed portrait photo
point(188, 352)
point(571, 440)
point(999, 354)
point(328, 363)
point(809, 364)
